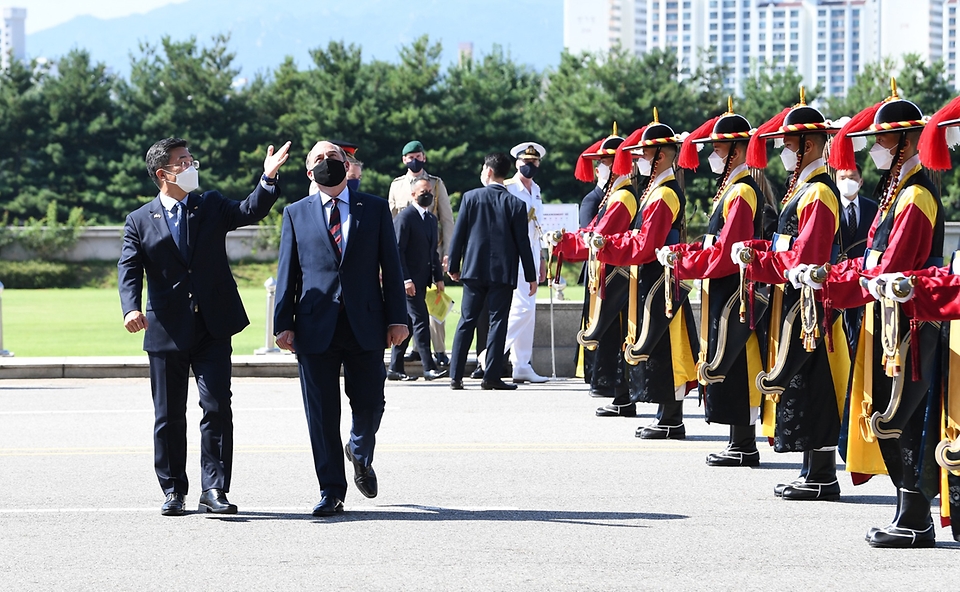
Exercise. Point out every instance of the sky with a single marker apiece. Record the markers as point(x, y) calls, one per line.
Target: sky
point(43, 14)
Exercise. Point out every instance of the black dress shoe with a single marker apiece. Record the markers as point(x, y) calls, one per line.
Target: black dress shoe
point(363, 475)
point(394, 375)
point(662, 432)
point(435, 374)
point(456, 385)
point(215, 501)
point(477, 373)
point(810, 491)
point(328, 506)
point(441, 359)
point(497, 385)
point(173, 505)
point(629, 410)
point(413, 356)
point(734, 458)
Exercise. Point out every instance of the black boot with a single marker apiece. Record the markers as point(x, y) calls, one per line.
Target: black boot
point(804, 470)
point(874, 529)
point(742, 450)
point(913, 526)
point(619, 407)
point(821, 483)
point(668, 425)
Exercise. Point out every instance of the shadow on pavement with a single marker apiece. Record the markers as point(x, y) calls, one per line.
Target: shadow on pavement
point(764, 465)
point(416, 513)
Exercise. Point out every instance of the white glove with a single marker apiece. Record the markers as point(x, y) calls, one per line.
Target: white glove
point(735, 253)
point(553, 238)
point(793, 275)
point(666, 257)
point(875, 286)
point(893, 280)
point(807, 280)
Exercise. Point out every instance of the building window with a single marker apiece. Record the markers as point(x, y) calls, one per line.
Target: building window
point(762, 36)
point(728, 26)
point(713, 26)
point(821, 12)
point(713, 15)
point(794, 13)
point(794, 35)
point(778, 14)
point(778, 47)
point(794, 58)
point(779, 25)
point(836, 46)
point(713, 38)
point(671, 27)
point(822, 24)
point(686, 27)
point(821, 34)
point(762, 47)
point(729, 36)
point(821, 68)
point(779, 36)
point(794, 47)
point(794, 24)
point(821, 57)
point(729, 15)
point(746, 36)
point(746, 48)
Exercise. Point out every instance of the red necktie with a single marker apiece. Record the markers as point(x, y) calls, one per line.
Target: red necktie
point(334, 225)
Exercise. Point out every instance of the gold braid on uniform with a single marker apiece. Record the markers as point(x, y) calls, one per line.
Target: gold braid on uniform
point(796, 173)
point(890, 184)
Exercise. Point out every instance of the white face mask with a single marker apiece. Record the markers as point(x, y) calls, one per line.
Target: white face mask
point(188, 179)
point(484, 178)
point(603, 173)
point(789, 159)
point(848, 187)
point(881, 156)
point(717, 163)
point(644, 167)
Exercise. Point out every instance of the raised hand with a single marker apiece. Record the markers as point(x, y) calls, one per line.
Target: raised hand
point(274, 160)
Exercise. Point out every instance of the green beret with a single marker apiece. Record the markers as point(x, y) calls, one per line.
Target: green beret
point(412, 146)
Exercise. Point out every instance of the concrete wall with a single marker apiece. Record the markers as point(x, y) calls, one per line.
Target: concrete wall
point(104, 242)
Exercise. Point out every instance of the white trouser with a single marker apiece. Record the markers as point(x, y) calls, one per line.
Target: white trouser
point(520, 326)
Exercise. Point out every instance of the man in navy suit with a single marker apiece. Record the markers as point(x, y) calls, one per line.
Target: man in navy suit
point(416, 231)
point(193, 309)
point(489, 239)
point(856, 217)
point(334, 312)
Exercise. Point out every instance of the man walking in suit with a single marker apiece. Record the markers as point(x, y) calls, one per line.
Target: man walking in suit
point(856, 217)
point(333, 311)
point(488, 239)
point(193, 309)
point(416, 231)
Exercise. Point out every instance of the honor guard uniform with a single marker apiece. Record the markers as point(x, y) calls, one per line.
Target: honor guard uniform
point(521, 323)
point(605, 297)
point(414, 158)
point(805, 384)
point(730, 350)
point(895, 357)
point(660, 347)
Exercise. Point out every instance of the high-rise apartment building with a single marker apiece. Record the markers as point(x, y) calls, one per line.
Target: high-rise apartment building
point(826, 41)
point(13, 39)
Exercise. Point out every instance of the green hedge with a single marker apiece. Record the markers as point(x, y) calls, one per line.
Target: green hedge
point(37, 274)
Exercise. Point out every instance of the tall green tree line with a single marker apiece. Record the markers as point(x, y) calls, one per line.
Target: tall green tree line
point(73, 133)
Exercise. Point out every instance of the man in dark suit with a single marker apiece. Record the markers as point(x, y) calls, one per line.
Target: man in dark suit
point(333, 311)
point(856, 216)
point(489, 238)
point(193, 309)
point(416, 231)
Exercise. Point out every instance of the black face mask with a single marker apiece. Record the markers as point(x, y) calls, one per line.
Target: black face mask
point(424, 200)
point(415, 166)
point(529, 170)
point(329, 172)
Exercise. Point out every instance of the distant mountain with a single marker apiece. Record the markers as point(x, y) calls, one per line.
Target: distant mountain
point(264, 32)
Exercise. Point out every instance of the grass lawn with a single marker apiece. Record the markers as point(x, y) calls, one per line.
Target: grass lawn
point(87, 322)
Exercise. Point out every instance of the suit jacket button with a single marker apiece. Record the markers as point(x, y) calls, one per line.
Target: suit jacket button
point(189, 295)
point(189, 271)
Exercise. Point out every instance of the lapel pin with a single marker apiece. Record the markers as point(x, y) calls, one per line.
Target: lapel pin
point(156, 215)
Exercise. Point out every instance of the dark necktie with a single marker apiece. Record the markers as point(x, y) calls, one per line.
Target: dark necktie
point(334, 225)
point(851, 221)
point(182, 228)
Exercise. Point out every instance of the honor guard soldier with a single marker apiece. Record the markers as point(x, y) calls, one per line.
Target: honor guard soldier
point(414, 157)
point(607, 291)
point(895, 356)
point(730, 350)
point(806, 380)
point(660, 347)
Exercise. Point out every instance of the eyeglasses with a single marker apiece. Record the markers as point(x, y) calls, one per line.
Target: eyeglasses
point(183, 165)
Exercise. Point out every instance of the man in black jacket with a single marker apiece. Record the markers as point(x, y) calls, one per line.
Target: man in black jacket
point(856, 217)
point(193, 309)
point(416, 231)
point(489, 238)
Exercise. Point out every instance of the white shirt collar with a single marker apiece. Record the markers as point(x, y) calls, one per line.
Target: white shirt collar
point(668, 172)
point(167, 202)
point(855, 200)
point(422, 211)
point(344, 196)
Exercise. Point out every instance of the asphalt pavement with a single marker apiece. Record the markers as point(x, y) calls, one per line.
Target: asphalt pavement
point(479, 490)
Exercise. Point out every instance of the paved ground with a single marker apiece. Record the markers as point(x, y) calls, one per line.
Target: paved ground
point(478, 491)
